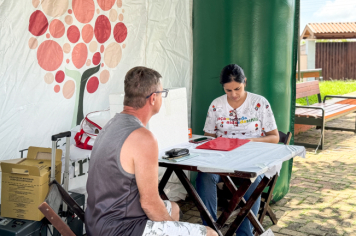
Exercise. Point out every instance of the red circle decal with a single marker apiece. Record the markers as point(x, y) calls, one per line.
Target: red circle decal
point(92, 84)
point(56, 28)
point(57, 88)
point(83, 10)
point(102, 29)
point(60, 76)
point(73, 34)
point(49, 55)
point(96, 58)
point(79, 55)
point(38, 23)
point(87, 33)
point(120, 32)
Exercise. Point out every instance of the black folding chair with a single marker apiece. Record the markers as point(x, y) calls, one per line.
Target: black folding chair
point(284, 138)
point(50, 208)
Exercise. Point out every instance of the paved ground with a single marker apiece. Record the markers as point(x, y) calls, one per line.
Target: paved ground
point(322, 197)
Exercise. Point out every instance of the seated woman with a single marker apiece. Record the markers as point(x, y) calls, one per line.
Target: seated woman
point(237, 114)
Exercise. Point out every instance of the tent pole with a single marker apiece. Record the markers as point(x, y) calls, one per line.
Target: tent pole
point(299, 44)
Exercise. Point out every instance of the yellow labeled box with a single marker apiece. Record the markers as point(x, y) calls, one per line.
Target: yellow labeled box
point(25, 184)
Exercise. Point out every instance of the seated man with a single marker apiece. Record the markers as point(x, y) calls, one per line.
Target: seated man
point(122, 185)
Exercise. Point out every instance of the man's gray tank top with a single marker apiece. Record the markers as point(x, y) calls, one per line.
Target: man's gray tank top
point(113, 206)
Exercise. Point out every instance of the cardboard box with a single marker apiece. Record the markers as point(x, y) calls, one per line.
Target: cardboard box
point(11, 161)
point(25, 184)
point(15, 161)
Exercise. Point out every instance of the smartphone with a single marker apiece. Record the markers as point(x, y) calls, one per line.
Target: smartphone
point(199, 140)
point(177, 157)
point(177, 152)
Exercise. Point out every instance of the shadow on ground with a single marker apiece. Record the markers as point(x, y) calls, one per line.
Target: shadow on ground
point(321, 200)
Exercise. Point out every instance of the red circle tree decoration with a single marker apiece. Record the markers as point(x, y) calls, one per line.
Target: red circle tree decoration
point(83, 46)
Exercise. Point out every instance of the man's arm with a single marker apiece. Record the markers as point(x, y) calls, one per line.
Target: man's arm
point(144, 150)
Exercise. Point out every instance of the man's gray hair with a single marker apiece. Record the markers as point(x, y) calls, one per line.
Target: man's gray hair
point(140, 82)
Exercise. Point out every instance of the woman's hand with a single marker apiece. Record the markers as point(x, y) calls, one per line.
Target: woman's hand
point(271, 137)
point(209, 134)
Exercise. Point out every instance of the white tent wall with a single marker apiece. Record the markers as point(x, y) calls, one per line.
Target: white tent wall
point(159, 36)
point(169, 32)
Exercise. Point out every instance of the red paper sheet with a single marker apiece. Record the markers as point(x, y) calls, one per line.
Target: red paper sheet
point(223, 144)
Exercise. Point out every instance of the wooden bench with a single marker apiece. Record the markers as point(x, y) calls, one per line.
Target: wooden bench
point(317, 73)
point(319, 113)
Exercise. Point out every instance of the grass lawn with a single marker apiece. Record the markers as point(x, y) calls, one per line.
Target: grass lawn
point(330, 88)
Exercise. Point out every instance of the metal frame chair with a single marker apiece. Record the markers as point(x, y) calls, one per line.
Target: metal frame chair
point(50, 208)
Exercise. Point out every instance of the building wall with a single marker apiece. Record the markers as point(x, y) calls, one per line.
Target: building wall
point(337, 59)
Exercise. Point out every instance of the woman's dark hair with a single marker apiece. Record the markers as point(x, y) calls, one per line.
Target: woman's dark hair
point(232, 72)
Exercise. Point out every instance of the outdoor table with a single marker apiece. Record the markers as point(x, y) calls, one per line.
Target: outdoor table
point(245, 162)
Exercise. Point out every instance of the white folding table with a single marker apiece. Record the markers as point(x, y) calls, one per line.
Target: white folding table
point(245, 162)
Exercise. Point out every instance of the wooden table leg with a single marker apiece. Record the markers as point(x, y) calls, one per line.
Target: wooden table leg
point(246, 210)
point(269, 197)
point(237, 197)
point(163, 183)
point(271, 215)
point(197, 200)
point(231, 186)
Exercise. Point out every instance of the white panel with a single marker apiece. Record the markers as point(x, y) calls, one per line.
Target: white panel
point(116, 103)
point(170, 125)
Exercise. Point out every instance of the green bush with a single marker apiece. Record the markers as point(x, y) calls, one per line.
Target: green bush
point(330, 88)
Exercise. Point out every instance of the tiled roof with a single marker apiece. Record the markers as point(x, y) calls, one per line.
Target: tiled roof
point(333, 28)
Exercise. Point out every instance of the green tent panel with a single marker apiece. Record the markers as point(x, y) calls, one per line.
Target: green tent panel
point(261, 37)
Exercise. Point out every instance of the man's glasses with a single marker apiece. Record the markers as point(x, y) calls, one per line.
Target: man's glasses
point(164, 93)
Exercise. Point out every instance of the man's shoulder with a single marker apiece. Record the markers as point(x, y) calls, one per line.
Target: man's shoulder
point(141, 144)
point(141, 136)
point(142, 131)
